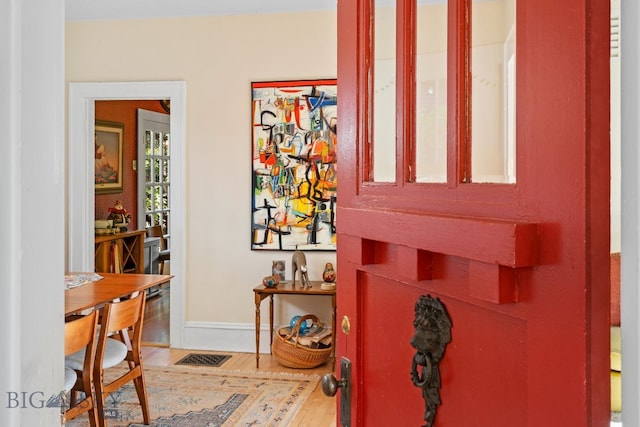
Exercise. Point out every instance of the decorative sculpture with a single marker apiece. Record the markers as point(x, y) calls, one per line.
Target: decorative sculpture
point(119, 215)
point(299, 264)
point(329, 273)
point(271, 281)
point(432, 334)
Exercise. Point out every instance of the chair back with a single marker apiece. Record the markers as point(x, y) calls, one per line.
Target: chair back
point(164, 253)
point(124, 317)
point(80, 333)
point(156, 231)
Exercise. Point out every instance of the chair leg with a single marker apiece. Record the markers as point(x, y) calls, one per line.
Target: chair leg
point(90, 399)
point(100, 402)
point(142, 397)
point(93, 415)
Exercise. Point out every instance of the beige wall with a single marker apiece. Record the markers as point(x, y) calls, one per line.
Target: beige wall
point(218, 58)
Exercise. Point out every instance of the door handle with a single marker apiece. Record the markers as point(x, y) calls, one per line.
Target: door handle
point(432, 334)
point(331, 384)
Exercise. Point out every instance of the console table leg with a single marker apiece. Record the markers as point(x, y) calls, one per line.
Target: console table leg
point(270, 324)
point(257, 332)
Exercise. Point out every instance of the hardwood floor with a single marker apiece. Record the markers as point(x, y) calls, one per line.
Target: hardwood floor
point(156, 319)
point(318, 411)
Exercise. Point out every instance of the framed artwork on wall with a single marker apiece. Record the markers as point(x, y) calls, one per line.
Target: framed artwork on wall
point(279, 268)
point(108, 141)
point(294, 147)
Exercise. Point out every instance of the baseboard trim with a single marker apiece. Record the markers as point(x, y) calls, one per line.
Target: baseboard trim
point(218, 336)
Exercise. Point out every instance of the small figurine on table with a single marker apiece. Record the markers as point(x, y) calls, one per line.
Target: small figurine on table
point(329, 273)
point(119, 215)
point(329, 277)
point(271, 281)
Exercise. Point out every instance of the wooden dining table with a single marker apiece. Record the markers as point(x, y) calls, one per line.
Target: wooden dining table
point(112, 286)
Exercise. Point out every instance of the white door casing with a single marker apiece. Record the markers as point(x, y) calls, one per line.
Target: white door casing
point(80, 227)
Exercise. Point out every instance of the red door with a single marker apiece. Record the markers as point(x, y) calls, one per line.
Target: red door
point(521, 268)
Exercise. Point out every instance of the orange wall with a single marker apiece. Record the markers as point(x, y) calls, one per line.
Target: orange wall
point(124, 112)
point(615, 289)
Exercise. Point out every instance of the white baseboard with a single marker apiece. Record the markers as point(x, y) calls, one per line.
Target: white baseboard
point(216, 336)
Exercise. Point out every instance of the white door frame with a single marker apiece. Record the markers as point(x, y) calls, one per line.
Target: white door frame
point(81, 197)
point(630, 207)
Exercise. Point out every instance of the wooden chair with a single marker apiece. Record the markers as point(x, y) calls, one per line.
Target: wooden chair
point(119, 340)
point(165, 252)
point(125, 319)
point(80, 335)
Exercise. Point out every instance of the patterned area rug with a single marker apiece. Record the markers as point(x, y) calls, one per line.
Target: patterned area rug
point(199, 396)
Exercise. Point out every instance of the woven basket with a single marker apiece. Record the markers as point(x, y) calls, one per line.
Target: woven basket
point(294, 355)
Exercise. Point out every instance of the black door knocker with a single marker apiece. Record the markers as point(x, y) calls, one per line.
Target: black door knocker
point(432, 334)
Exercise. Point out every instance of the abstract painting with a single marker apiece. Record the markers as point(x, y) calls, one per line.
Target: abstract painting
point(294, 181)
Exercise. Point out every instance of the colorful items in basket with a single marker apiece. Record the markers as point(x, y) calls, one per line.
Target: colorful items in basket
point(303, 325)
point(295, 350)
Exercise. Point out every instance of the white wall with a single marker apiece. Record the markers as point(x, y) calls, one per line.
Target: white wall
point(32, 188)
point(218, 58)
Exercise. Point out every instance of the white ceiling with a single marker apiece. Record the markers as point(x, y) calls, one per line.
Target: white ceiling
point(83, 10)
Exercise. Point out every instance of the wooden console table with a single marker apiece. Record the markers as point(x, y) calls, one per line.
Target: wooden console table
point(261, 292)
point(120, 252)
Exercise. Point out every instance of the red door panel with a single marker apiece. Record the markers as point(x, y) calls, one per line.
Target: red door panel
point(384, 320)
point(494, 354)
point(499, 379)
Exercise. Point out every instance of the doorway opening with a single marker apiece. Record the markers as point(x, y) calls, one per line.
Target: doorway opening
point(143, 164)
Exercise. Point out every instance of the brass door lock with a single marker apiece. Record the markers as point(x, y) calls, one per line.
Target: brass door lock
point(346, 325)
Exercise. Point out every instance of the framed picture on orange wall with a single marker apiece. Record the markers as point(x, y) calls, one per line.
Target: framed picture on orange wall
point(108, 141)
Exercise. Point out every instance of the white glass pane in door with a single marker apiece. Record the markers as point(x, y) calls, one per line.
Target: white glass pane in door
point(384, 91)
point(493, 70)
point(431, 92)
